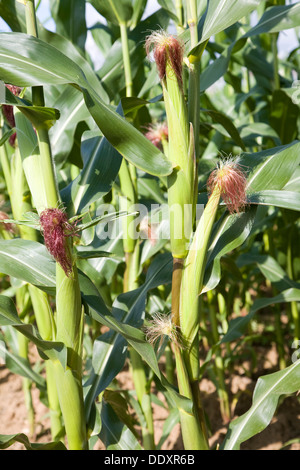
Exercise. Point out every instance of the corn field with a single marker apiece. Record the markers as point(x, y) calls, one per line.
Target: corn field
point(149, 201)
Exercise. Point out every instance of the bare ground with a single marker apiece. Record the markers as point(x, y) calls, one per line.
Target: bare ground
point(284, 427)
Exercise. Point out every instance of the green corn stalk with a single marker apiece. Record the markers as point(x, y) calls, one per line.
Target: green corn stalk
point(40, 174)
point(189, 312)
point(21, 203)
point(219, 363)
point(22, 301)
point(127, 176)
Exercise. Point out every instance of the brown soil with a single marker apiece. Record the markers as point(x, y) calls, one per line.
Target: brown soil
point(284, 427)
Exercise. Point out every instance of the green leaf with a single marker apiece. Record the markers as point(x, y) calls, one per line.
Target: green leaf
point(101, 167)
point(9, 316)
point(116, 13)
point(129, 142)
point(267, 392)
point(7, 440)
point(280, 162)
point(29, 261)
point(133, 335)
point(73, 111)
point(69, 16)
point(43, 64)
point(37, 64)
point(227, 123)
point(277, 18)
point(284, 115)
point(101, 219)
point(12, 13)
point(221, 14)
point(114, 433)
point(228, 233)
point(20, 366)
point(237, 326)
point(109, 352)
point(40, 116)
point(285, 199)
point(270, 268)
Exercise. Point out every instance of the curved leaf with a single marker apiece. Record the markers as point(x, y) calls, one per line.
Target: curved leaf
point(115, 13)
point(280, 162)
point(237, 326)
point(20, 366)
point(277, 18)
point(221, 14)
point(129, 142)
point(101, 166)
point(109, 352)
point(267, 392)
point(7, 440)
point(229, 233)
point(29, 261)
point(41, 64)
point(9, 316)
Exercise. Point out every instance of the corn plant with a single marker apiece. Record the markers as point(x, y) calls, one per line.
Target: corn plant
point(143, 204)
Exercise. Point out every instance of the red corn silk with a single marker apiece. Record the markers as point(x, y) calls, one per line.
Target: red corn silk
point(231, 180)
point(156, 133)
point(56, 229)
point(166, 47)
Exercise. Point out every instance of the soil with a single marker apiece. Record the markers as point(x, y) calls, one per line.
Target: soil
point(283, 431)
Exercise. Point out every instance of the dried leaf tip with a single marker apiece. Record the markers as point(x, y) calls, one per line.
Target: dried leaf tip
point(231, 181)
point(56, 229)
point(165, 48)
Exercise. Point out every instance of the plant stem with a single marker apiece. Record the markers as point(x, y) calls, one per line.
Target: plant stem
point(126, 59)
point(219, 363)
point(194, 76)
point(178, 264)
point(179, 13)
point(69, 315)
point(290, 272)
point(277, 323)
point(128, 182)
point(191, 426)
point(275, 61)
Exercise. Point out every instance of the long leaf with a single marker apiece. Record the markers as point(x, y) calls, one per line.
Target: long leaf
point(238, 325)
point(267, 392)
point(42, 64)
point(110, 349)
point(277, 18)
point(7, 440)
point(19, 365)
point(280, 162)
point(8, 316)
point(29, 261)
point(133, 335)
point(221, 14)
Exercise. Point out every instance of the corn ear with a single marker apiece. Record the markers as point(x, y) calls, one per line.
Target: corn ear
point(193, 273)
point(69, 315)
point(70, 395)
point(181, 182)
